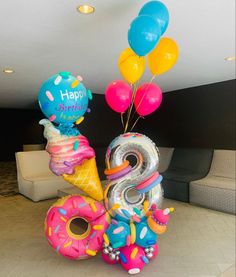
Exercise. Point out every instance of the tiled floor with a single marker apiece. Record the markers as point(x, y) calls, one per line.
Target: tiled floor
point(199, 242)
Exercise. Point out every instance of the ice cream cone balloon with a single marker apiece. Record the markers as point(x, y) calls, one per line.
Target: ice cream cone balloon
point(86, 178)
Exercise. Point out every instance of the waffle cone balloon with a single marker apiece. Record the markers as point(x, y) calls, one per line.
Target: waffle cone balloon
point(86, 178)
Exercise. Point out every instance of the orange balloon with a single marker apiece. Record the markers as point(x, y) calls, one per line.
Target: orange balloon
point(131, 65)
point(163, 57)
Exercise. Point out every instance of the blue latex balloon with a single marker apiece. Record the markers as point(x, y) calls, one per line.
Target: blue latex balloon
point(63, 99)
point(144, 34)
point(158, 11)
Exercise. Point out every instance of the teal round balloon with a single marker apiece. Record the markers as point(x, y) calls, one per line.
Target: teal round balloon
point(63, 98)
point(143, 34)
point(159, 12)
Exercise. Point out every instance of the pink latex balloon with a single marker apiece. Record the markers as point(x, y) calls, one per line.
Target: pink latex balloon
point(155, 252)
point(147, 99)
point(108, 260)
point(118, 95)
point(133, 258)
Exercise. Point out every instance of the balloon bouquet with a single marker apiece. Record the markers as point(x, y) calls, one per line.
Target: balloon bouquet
point(131, 238)
point(127, 226)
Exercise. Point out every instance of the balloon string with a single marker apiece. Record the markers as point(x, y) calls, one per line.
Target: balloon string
point(131, 107)
point(136, 121)
point(152, 79)
point(122, 119)
point(140, 102)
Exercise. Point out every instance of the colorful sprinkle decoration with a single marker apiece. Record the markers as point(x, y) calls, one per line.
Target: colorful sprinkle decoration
point(123, 258)
point(137, 211)
point(126, 213)
point(114, 222)
point(75, 83)
point(90, 96)
point(49, 95)
point(134, 253)
point(136, 218)
point(52, 117)
point(80, 78)
point(145, 259)
point(62, 211)
point(78, 121)
point(118, 230)
point(76, 145)
point(57, 80)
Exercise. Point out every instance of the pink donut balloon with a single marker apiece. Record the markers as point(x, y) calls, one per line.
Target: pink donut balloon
point(59, 232)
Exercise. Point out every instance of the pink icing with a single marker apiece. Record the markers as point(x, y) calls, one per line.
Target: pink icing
point(63, 155)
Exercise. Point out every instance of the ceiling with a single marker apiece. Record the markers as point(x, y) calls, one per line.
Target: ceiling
point(40, 38)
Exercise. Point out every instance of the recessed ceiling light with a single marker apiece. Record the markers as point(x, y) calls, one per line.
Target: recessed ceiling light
point(8, 70)
point(230, 59)
point(85, 9)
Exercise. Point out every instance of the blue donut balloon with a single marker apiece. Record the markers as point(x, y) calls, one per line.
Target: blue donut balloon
point(63, 98)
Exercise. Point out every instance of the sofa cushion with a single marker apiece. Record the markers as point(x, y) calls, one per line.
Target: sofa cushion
point(33, 163)
point(165, 158)
point(191, 160)
point(35, 179)
point(181, 175)
point(223, 164)
point(219, 199)
point(186, 165)
point(216, 182)
point(176, 190)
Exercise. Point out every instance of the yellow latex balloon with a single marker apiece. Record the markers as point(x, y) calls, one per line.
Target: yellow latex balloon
point(86, 178)
point(131, 66)
point(163, 57)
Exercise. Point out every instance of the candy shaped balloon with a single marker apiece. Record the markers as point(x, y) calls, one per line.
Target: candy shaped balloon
point(142, 180)
point(63, 98)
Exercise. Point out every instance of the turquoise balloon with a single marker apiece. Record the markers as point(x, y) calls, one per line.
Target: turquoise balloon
point(143, 34)
point(158, 11)
point(119, 238)
point(63, 99)
point(145, 237)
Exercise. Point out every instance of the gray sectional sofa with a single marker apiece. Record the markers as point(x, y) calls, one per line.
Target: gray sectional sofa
point(217, 190)
point(186, 165)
